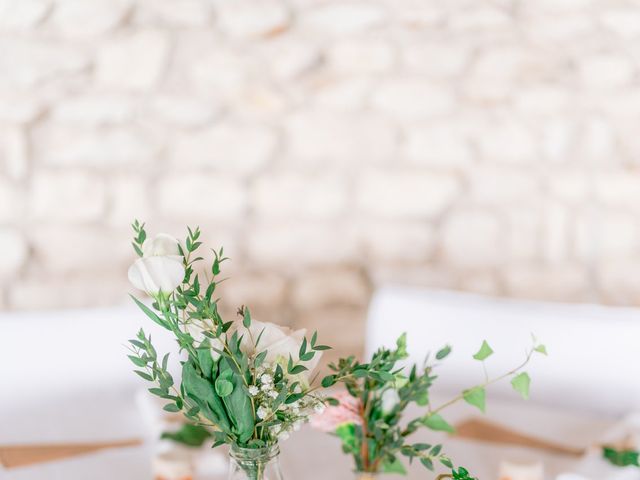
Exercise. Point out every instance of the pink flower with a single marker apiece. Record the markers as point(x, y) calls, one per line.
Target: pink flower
point(347, 411)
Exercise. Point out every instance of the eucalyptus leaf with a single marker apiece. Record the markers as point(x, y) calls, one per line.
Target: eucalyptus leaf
point(223, 387)
point(443, 353)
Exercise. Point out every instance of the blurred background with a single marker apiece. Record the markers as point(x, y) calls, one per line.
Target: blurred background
point(330, 146)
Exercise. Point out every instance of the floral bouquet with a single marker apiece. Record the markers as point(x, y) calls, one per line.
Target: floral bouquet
point(247, 381)
point(368, 415)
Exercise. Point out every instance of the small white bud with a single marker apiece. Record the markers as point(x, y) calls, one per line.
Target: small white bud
point(262, 412)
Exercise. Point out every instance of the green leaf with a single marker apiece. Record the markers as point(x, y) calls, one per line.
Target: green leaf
point(238, 403)
point(347, 433)
point(395, 466)
point(437, 423)
point(427, 462)
point(223, 387)
point(328, 381)
point(484, 352)
point(205, 359)
point(443, 353)
point(191, 435)
point(138, 362)
point(297, 369)
point(144, 375)
point(171, 407)
point(476, 397)
point(621, 458)
point(446, 462)
point(246, 317)
point(521, 384)
point(259, 360)
point(303, 347)
point(541, 349)
point(150, 313)
point(401, 345)
point(203, 393)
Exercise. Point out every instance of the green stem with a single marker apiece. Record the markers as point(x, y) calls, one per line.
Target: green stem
point(485, 384)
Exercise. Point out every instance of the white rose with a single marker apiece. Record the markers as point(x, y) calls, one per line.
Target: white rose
point(390, 399)
point(160, 270)
point(279, 342)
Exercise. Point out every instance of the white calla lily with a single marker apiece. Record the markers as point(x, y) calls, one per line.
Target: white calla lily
point(156, 275)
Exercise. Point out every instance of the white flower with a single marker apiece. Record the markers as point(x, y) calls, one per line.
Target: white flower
point(253, 390)
point(279, 342)
point(160, 270)
point(390, 399)
point(273, 394)
point(297, 425)
point(319, 407)
point(266, 387)
point(266, 379)
point(262, 412)
point(283, 435)
point(162, 245)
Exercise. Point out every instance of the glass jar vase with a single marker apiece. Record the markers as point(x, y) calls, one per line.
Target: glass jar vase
point(254, 463)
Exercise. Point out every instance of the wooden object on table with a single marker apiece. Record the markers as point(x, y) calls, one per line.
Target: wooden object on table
point(478, 429)
point(12, 456)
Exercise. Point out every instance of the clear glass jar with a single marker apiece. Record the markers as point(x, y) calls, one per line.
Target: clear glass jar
point(254, 463)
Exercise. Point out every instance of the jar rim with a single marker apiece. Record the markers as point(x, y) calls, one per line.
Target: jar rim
point(254, 454)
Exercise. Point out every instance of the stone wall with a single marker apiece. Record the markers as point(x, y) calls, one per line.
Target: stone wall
point(484, 145)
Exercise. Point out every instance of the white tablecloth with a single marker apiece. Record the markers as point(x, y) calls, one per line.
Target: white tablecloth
point(307, 455)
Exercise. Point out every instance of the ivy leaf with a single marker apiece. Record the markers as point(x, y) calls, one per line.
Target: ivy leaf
point(484, 352)
point(521, 384)
point(541, 349)
point(476, 397)
point(437, 423)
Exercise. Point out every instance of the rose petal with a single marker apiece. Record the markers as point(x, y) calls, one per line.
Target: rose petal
point(160, 246)
point(156, 274)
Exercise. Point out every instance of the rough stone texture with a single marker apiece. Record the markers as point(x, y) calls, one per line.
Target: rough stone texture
point(330, 146)
point(13, 244)
point(226, 147)
point(72, 196)
point(133, 61)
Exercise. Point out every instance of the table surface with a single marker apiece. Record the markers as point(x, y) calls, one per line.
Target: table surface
point(308, 454)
